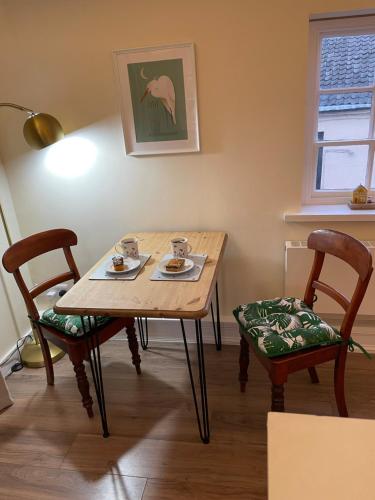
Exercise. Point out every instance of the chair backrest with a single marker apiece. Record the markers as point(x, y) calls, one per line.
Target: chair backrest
point(354, 253)
point(24, 250)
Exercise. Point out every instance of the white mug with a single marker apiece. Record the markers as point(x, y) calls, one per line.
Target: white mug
point(180, 247)
point(129, 248)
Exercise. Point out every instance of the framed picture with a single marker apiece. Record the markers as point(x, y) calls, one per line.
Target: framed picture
point(158, 99)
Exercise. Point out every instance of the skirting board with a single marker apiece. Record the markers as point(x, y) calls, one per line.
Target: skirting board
point(169, 330)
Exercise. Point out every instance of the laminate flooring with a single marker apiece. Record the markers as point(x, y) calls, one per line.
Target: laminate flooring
point(50, 449)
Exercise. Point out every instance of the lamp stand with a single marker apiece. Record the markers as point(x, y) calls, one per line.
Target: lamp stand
point(32, 355)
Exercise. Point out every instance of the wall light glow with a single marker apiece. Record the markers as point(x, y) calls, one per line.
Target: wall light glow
point(71, 157)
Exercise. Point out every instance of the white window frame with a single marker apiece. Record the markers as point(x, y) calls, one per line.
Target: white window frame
point(318, 30)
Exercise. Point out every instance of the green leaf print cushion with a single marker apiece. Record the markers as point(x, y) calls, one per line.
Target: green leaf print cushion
point(70, 324)
point(284, 325)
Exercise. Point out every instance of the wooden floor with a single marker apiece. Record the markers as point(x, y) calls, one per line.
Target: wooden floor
point(50, 449)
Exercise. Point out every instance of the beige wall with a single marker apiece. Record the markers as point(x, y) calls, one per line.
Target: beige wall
point(251, 71)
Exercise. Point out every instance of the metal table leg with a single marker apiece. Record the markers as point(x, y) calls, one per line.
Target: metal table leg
point(217, 325)
point(203, 423)
point(143, 332)
point(93, 348)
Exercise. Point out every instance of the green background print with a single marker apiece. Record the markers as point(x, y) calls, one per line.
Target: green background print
point(152, 121)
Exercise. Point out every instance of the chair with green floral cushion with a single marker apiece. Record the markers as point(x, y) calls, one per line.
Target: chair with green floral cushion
point(65, 331)
point(287, 336)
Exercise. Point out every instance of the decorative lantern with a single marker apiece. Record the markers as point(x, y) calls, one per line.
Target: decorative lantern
point(360, 195)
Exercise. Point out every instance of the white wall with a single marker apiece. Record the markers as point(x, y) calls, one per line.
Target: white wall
point(14, 322)
point(251, 70)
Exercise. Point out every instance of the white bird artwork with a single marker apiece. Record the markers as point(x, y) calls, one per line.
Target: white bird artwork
point(162, 88)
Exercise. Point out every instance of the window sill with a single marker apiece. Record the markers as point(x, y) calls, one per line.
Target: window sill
point(332, 213)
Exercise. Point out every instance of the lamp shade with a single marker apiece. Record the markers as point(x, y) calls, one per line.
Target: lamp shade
point(41, 130)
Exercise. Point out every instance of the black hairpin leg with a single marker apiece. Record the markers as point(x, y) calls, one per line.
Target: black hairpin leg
point(203, 423)
point(93, 349)
point(217, 326)
point(143, 332)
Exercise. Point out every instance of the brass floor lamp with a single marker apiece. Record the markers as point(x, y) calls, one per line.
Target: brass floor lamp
point(40, 130)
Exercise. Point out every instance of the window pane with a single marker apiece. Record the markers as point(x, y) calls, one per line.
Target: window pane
point(347, 61)
point(344, 116)
point(342, 167)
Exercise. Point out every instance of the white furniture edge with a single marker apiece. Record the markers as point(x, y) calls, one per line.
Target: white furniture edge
point(342, 449)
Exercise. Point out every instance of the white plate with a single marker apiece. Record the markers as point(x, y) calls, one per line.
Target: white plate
point(188, 265)
point(130, 263)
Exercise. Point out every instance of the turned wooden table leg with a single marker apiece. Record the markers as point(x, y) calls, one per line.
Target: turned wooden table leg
point(133, 345)
point(83, 386)
point(244, 364)
point(277, 397)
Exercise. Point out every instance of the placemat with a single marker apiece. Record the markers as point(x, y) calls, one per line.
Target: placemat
point(192, 275)
point(100, 272)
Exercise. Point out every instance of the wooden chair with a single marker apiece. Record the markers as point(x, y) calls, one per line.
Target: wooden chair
point(76, 347)
point(354, 253)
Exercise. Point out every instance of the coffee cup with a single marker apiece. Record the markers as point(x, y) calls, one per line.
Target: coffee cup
point(180, 247)
point(128, 247)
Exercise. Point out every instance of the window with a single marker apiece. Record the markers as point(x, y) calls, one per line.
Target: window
point(341, 109)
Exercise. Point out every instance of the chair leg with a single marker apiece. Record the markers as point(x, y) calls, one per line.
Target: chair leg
point(133, 345)
point(339, 383)
point(47, 358)
point(277, 397)
point(313, 375)
point(83, 386)
point(244, 364)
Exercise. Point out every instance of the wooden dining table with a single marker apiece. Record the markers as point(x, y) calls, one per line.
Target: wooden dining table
point(144, 298)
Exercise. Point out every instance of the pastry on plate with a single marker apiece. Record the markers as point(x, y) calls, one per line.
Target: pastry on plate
point(175, 264)
point(118, 263)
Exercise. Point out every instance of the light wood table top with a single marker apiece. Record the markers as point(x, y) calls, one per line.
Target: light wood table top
point(312, 457)
point(143, 297)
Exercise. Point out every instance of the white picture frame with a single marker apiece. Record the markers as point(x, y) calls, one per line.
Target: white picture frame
point(158, 99)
